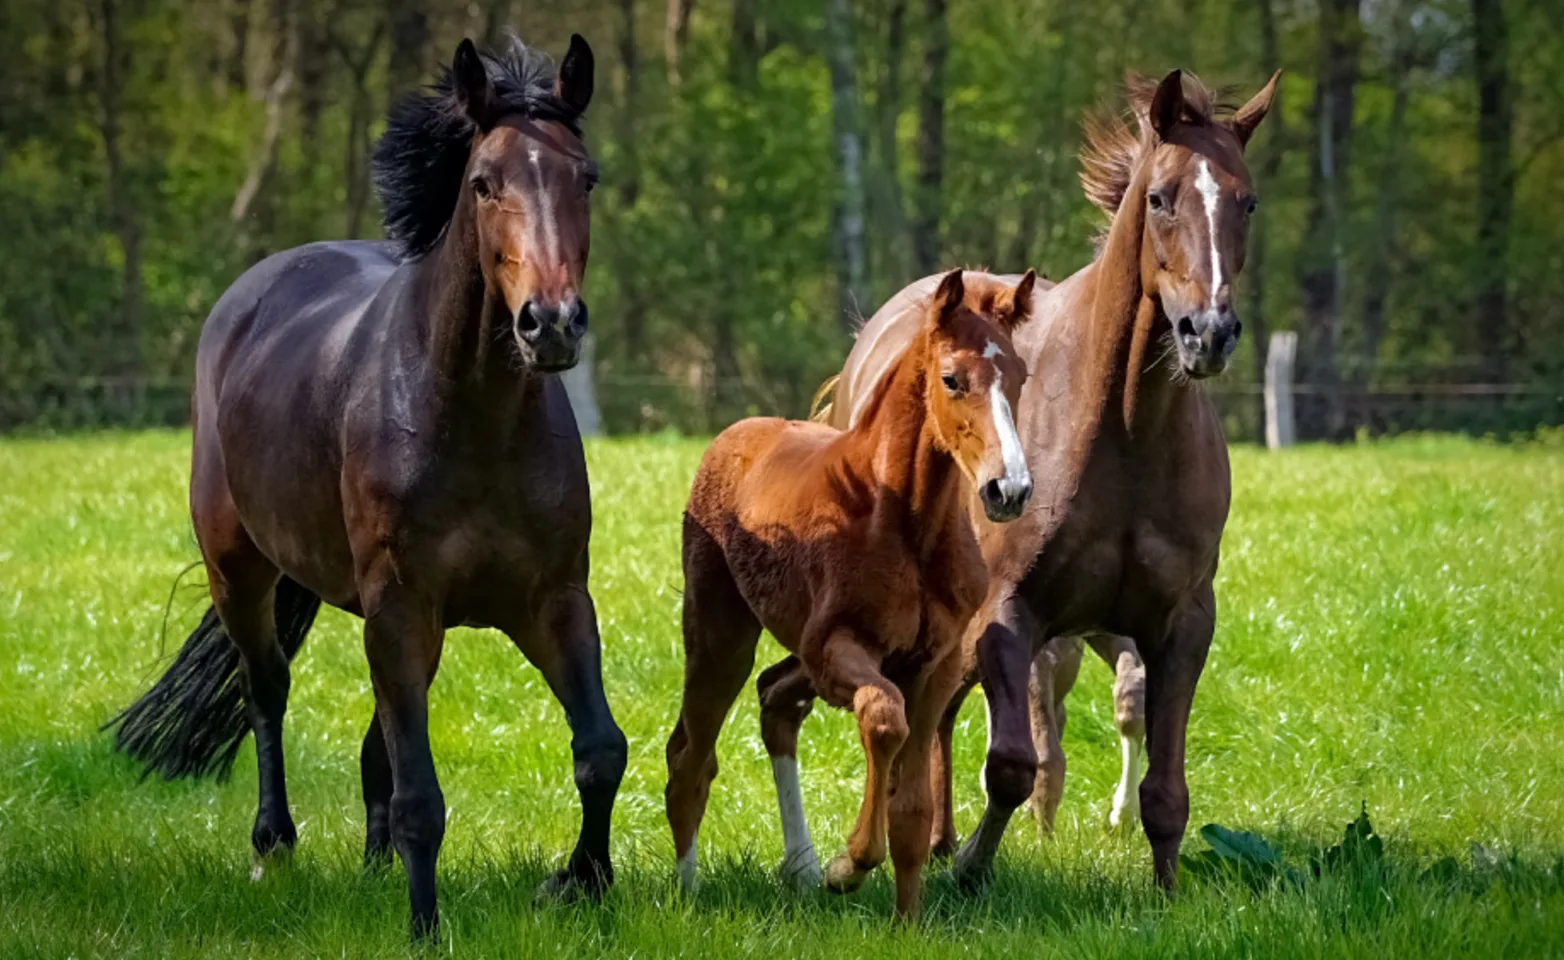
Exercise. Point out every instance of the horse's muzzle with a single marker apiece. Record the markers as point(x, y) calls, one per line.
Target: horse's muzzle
point(552, 332)
point(1004, 499)
point(1206, 341)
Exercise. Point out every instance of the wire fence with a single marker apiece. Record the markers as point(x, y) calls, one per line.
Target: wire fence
point(650, 403)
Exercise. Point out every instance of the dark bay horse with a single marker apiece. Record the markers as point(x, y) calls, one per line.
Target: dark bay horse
point(376, 427)
point(854, 549)
point(1127, 451)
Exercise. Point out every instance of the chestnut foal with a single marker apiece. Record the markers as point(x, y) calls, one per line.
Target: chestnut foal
point(855, 550)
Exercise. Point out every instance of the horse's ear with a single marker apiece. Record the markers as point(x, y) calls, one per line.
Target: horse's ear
point(1167, 104)
point(1248, 117)
point(574, 82)
point(474, 89)
point(1021, 301)
point(948, 297)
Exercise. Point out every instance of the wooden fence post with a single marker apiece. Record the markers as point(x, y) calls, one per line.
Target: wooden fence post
point(1279, 430)
point(582, 390)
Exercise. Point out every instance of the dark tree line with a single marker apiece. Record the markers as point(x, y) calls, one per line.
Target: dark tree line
point(775, 168)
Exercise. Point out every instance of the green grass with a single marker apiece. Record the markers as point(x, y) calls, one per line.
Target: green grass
point(1390, 630)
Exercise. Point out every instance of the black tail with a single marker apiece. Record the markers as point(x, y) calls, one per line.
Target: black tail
point(192, 721)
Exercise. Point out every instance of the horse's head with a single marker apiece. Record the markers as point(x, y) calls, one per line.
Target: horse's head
point(529, 178)
point(1198, 199)
point(974, 378)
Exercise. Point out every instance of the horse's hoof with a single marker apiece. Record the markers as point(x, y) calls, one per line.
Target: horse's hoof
point(842, 875)
point(801, 871)
point(564, 886)
point(278, 857)
point(942, 850)
point(970, 876)
point(1123, 820)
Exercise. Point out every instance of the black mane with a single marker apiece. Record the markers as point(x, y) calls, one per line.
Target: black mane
point(419, 161)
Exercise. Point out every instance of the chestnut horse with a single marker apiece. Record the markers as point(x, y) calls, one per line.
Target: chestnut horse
point(377, 427)
point(1128, 451)
point(854, 549)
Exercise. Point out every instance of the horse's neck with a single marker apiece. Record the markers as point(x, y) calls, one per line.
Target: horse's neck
point(898, 434)
point(468, 361)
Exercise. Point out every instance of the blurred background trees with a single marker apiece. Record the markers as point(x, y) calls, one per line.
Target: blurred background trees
point(774, 168)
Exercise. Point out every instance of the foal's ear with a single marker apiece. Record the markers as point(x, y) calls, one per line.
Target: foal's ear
point(1248, 117)
point(1167, 104)
point(1020, 310)
point(574, 82)
point(474, 89)
point(948, 297)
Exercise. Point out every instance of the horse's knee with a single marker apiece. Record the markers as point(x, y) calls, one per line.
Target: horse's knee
point(1164, 810)
point(600, 763)
point(882, 718)
point(418, 819)
point(1129, 699)
point(1009, 777)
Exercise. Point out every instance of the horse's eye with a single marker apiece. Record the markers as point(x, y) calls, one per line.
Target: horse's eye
point(1250, 206)
point(481, 187)
point(1158, 202)
point(951, 383)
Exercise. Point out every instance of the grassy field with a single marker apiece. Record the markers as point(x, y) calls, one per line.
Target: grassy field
point(1391, 632)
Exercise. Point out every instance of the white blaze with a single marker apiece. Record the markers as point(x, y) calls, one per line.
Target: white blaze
point(1016, 474)
point(1211, 194)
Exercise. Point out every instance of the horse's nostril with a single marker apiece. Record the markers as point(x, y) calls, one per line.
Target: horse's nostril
point(991, 492)
point(527, 323)
point(1186, 327)
point(1238, 329)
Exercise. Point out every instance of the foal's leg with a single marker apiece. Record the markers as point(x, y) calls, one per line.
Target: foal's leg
point(374, 770)
point(1010, 769)
point(941, 775)
point(403, 636)
point(720, 633)
point(1054, 670)
point(1129, 715)
point(786, 696)
point(1172, 672)
point(568, 652)
point(848, 674)
point(912, 799)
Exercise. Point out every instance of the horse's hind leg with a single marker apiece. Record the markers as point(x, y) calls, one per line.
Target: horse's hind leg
point(786, 696)
point(1129, 715)
point(1054, 670)
point(375, 777)
point(942, 835)
point(568, 652)
point(720, 633)
point(242, 583)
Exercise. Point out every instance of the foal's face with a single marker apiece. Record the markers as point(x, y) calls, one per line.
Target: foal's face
point(1199, 200)
point(974, 385)
point(531, 182)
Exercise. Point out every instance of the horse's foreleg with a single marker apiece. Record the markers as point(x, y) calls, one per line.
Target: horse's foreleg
point(403, 637)
point(1004, 652)
point(374, 767)
point(1129, 716)
point(849, 675)
point(1054, 670)
point(942, 837)
point(912, 800)
point(568, 652)
point(786, 696)
point(1172, 672)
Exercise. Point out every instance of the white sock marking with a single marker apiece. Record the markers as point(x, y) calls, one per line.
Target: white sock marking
point(1212, 195)
point(687, 864)
point(1126, 800)
point(799, 861)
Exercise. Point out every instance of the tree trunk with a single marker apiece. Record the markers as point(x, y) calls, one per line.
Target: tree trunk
point(847, 124)
point(1324, 262)
point(890, 217)
point(1376, 273)
point(124, 346)
point(239, 24)
point(675, 34)
point(360, 115)
point(627, 177)
point(931, 136)
point(1495, 185)
point(1270, 163)
point(409, 20)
